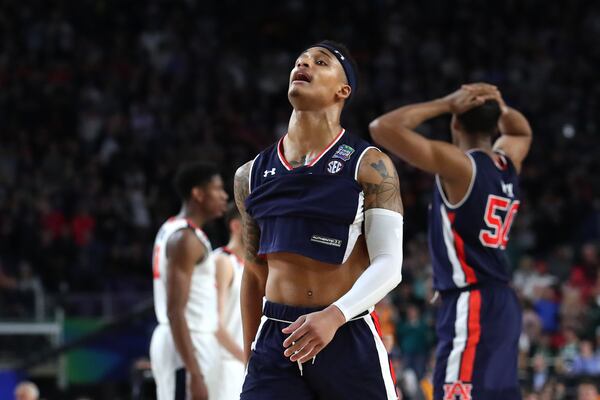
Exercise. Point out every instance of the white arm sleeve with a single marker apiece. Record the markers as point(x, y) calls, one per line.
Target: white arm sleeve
point(383, 232)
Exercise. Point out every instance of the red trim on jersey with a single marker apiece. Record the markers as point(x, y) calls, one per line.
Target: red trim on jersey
point(473, 335)
point(285, 163)
point(155, 260)
point(500, 161)
point(228, 251)
point(459, 245)
point(191, 223)
point(289, 167)
point(375, 318)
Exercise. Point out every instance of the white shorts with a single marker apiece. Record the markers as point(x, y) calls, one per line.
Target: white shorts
point(169, 371)
point(231, 379)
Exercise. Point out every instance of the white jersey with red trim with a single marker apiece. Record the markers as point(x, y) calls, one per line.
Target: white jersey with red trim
point(201, 309)
point(233, 312)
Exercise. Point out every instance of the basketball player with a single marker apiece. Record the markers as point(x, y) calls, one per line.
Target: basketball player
point(230, 266)
point(475, 200)
point(184, 350)
point(303, 203)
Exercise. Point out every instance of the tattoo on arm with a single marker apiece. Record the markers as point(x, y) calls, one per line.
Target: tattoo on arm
point(250, 230)
point(382, 185)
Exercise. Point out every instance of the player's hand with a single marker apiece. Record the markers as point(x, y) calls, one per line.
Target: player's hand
point(488, 92)
point(198, 388)
point(470, 96)
point(310, 333)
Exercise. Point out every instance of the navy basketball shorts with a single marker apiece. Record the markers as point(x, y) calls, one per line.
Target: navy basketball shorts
point(354, 365)
point(478, 336)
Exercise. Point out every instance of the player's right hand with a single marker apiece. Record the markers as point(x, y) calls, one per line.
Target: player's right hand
point(487, 91)
point(470, 96)
point(198, 388)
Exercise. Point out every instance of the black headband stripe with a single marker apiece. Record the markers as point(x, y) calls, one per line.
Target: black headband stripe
point(345, 61)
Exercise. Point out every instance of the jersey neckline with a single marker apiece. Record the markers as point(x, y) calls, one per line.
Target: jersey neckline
point(227, 250)
point(289, 167)
point(501, 162)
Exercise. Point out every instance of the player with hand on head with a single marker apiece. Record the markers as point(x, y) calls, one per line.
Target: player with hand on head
point(475, 200)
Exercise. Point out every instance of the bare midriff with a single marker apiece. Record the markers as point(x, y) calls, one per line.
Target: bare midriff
point(300, 281)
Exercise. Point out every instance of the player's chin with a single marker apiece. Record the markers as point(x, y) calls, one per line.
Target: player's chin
point(301, 97)
point(218, 213)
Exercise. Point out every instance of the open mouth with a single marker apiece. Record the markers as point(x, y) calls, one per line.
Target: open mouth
point(301, 77)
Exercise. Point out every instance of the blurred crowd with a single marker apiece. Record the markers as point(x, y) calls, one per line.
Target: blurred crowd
point(101, 100)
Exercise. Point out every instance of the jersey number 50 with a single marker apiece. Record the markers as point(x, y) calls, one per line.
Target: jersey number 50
point(497, 235)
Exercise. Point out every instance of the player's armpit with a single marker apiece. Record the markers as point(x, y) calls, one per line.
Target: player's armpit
point(250, 230)
point(379, 180)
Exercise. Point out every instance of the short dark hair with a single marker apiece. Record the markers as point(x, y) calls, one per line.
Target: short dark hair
point(232, 213)
point(341, 48)
point(481, 119)
point(192, 174)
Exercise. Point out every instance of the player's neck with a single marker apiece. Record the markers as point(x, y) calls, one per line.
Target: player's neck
point(476, 142)
point(189, 212)
point(313, 130)
point(235, 246)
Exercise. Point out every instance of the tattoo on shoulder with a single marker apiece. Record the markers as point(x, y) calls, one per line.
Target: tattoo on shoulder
point(250, 230)
point(380, 167)
point(384, 191)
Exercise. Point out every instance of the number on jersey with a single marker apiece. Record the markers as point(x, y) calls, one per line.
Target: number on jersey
point(497, 235)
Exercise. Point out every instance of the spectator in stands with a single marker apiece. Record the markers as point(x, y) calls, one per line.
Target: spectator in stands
point(414, 338)
point(27, 391)
point(588, 390)
point(586, 363)
point(547, 308)
point(568, 351)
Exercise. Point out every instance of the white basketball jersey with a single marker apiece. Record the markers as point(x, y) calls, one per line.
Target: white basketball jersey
point(233, 312)
point(201, 309)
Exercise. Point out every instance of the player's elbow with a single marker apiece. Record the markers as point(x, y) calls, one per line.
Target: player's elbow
point(385, 132)
point(175, 313)
point(376, 130)
point(394, 262)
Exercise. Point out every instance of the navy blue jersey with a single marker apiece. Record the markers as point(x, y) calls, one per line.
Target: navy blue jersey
point(467, 240)
point(314, 210)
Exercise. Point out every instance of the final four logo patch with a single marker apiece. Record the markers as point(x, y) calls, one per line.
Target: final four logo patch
point(344, 152)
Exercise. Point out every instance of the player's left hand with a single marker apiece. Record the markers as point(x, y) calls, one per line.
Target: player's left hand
point(310, 333)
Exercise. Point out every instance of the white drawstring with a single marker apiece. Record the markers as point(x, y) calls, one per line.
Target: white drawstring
point(293, 343)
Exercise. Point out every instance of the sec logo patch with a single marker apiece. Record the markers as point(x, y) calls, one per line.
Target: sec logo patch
point(334, 166)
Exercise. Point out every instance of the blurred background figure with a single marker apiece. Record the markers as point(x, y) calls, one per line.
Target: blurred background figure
point(27, 391)
point(229, 265)
point(588, 390)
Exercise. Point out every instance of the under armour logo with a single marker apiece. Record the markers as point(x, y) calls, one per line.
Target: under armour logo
point(507, 188)
point(457, 391)
point(268, 172)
